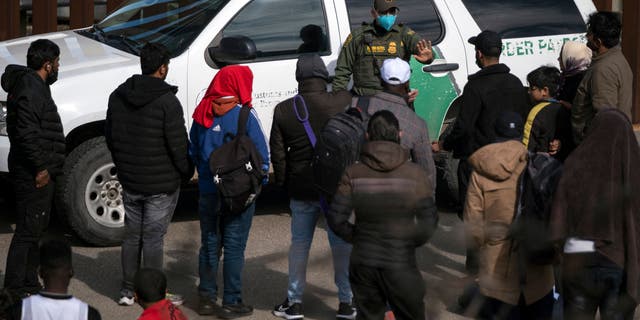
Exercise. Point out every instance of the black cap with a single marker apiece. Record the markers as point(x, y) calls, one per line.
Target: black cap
point(310, 65)
point(509, 125)
point(488, 42)
point(384, 5)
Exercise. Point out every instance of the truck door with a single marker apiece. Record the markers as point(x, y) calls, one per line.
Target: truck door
point(441, 82)
point(281, 31)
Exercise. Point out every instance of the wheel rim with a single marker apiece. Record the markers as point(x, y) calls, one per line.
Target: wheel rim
point(103, 197)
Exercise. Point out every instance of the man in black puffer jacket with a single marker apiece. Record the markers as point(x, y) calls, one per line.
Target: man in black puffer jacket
point(148, 141)
point(36, 158)
point(291, 155)
point(395, 213)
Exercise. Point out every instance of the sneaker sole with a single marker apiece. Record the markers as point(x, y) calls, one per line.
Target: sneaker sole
point(284, 315)
point(347, 316)
point(234, 316)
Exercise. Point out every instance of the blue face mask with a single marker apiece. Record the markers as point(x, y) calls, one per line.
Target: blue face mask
point(386, 21)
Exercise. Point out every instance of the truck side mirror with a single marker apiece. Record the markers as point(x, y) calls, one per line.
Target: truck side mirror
point(232, 50)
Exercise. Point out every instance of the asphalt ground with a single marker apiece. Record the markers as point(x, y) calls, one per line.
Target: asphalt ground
point(98, 271)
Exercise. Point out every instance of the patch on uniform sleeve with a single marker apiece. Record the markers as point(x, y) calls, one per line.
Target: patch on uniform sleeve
point(410, 32)
point(393, 48)
point(346, 42)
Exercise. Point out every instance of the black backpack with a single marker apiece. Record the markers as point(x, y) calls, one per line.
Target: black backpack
point(237, 169)
point(338, 146)
point(530, 227)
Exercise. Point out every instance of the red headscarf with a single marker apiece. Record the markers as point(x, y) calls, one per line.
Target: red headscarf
point(230, 86)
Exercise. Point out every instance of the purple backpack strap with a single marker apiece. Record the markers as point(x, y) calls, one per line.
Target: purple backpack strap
point(304, 120)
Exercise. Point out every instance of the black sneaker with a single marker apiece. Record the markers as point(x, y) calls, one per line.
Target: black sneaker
point(206, 306)
point(237, 310)
point(346, 311)
point(287, 311)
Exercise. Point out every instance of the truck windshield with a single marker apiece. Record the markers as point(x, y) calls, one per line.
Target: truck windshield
point(173, 23)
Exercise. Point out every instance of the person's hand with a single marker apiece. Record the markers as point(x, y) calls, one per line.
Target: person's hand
point(436, 146)
point(554, 147)
point(42, 178)
point(425, 53)
point(412, 95)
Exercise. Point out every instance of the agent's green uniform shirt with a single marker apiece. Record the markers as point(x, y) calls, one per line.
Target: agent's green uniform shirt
point(363, 52)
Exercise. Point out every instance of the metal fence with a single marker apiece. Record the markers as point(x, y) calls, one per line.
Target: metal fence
point(23, 17)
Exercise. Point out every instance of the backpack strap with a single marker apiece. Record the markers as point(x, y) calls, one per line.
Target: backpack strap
point(304, 120)
point(242, 120)
point(361, 105)
point(529, 124)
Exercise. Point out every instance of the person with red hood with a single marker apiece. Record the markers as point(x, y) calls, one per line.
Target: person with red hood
point(214, 118)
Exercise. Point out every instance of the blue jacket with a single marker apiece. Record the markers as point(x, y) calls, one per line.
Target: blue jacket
point(206, 140)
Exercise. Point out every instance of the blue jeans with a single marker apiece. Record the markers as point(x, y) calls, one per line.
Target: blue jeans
point(234, 232)
point(145, 222)
point(304, 216)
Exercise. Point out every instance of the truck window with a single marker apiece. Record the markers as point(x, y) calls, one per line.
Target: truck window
point(526, 18)
point(174, 23)
point(420, 15)
point(282, 29)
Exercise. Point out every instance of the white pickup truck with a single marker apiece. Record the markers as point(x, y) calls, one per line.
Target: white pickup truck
point(96, 59)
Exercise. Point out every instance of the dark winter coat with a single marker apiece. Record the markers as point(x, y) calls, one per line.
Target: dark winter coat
point(33, 123)
point(540, 128)
point(291, 151)
point(487, 94)
point(597, 197)
point(147, 137)
point(394, 208)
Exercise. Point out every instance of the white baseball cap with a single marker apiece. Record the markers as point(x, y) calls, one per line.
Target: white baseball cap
point(395, 71)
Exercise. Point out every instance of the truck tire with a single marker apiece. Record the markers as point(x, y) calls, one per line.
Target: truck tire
point(89, 195)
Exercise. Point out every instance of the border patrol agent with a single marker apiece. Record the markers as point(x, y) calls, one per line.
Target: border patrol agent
point(365, 49)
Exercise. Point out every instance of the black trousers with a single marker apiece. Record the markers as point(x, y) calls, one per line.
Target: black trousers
point(403, 290)
point(591, 282)
point(33, 210)
point(494, 309)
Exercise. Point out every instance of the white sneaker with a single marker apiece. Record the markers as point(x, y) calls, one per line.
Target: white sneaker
point(126, 301)
point(175, 299)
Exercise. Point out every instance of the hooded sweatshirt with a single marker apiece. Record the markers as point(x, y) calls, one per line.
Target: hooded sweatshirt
point(291, 151)
point(33, 123)
point(488, 213)
point(216, 119)
point(147, 137)
point(394, 208)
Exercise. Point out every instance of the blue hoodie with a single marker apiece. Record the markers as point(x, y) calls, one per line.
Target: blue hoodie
point(206, 140)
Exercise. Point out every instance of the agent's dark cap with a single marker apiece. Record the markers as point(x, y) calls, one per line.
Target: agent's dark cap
point(488, 42)
point(311, 66)
point(509, 125)
point(384, 5)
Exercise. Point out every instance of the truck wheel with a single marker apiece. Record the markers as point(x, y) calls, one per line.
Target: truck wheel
point(90, 195)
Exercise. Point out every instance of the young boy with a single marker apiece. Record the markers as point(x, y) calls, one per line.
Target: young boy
point(150, 292)
point(540, 127)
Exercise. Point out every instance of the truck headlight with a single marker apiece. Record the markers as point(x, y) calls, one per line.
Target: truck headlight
point(3, 118)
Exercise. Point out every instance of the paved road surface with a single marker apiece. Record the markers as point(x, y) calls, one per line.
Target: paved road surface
point(98, 274)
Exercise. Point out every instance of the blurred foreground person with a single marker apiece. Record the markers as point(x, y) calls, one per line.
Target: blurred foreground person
point(54, 302)
point(488, 214)
point(151, 291)
point(597, 221)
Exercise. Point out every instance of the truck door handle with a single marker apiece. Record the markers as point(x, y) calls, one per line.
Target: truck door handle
point(441, 67)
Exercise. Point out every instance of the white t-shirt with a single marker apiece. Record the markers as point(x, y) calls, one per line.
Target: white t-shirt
point(38, 307)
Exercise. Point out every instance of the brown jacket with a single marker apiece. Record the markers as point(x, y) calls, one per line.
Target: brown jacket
point(606, 84)
point(394, 208)
point(488, 213)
